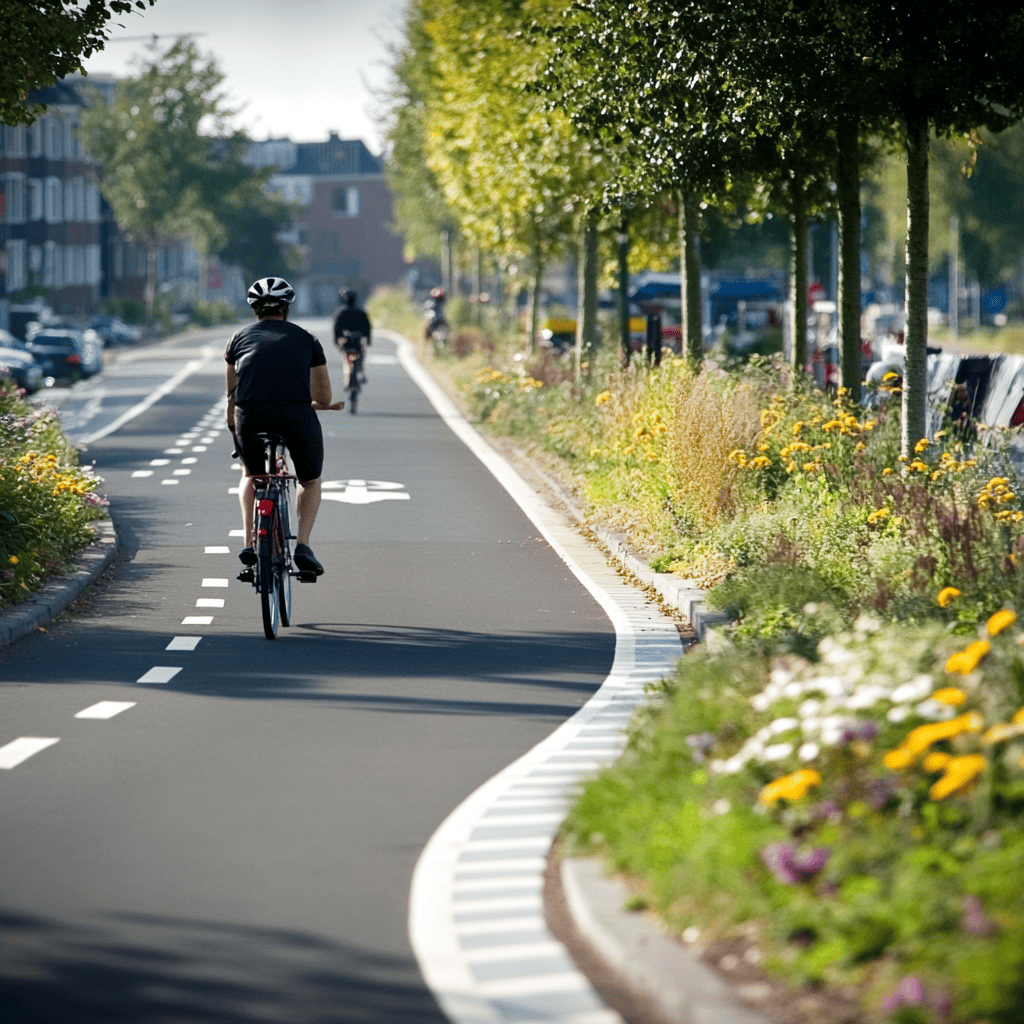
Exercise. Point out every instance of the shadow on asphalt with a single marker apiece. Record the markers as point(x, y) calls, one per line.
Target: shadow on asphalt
point(135, 969)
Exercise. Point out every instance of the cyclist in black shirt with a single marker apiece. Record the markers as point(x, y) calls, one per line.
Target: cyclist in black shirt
point(277, 376)
point(350, 320)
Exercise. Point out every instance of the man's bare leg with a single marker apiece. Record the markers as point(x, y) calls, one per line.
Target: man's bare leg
point(246, 496)
point(307, 502)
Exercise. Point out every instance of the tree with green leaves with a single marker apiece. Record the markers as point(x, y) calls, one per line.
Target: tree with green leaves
point(165, 178)
point(43, 40)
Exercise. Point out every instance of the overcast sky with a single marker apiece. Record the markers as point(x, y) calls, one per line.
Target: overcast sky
point(300, 68)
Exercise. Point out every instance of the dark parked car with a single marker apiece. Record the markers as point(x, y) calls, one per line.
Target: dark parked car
point(113, 330)
point(66, 354)
point(18, 363)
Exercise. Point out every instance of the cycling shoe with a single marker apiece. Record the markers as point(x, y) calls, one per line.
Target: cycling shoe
point(247, 556)
point(306, 561)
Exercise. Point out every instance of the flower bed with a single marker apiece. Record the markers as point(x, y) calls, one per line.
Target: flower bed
point(47, 500)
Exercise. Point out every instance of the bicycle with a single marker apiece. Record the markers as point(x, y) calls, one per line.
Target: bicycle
point(272, 574)
point(354, 359)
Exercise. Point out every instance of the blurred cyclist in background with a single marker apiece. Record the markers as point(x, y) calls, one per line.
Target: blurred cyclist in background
point(352, 330)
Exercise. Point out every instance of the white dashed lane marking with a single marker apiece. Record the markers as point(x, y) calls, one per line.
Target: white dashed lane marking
point(214, 583)
point(21, 749)
point(210, 602)
point(197, 620)
point(170, 483)
point(184, 643)
point(216, 549)
point(159, 674)
point(159, 462)
point(142, 472)
point(106, 709)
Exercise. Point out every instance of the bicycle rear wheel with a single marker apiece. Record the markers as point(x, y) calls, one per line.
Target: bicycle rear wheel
point(353, 396)
point(269, 588)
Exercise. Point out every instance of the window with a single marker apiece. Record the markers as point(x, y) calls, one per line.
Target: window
point(35, 258)
point(16, 278)
point(53, 201)
point(35, 199)
point(345, 202)
point(92, 202)
point(70, 140)
point(15, 198)
point(35, 138)
point(53, 265)
point(93, 268)
point(16, 140)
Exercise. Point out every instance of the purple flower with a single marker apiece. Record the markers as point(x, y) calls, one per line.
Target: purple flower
point(880, 792)
point(791, 868)
point(909, 992)
point(868, 731)
point(974, 920)
point(826, 810)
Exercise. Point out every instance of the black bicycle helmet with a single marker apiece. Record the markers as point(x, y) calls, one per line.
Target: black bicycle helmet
point(270, 291)
point(347, 296)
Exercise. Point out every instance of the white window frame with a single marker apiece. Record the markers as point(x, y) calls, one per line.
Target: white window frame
point(53, 201)
point(14, 206)
point(53, 264)
point(16, 140)
point(93, 264)
point(16, 276)
point(35, 138)
point(35, 202)
point(92, 202)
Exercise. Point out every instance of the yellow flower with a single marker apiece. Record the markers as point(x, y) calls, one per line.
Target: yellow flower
point(887, 471)
point(951, 695)
point(790, 787)
point(891, 375)
point(921, 445)
point(898, 759)
point(998, 622)
point(14, 559)
point(1000, 732)
point(605, 396)
point(761, 462)
point(936, 761)
point(878, 516)
point(959, 772)
point(1018, 718)
point(966, 661)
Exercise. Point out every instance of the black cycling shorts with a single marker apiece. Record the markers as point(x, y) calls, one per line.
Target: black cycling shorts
point(296, 422)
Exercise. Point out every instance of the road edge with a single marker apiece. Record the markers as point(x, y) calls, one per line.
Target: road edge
point(57, 594)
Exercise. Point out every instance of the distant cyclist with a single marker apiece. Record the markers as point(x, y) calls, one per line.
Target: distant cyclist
point(277, 376)
point(352, 330)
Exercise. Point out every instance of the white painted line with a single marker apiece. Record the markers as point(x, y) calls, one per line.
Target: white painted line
point(236, 465)
point(216, 550)
point(197, 620)
point(165, 389)
point(183, 643)
point(210, 602)
point(170, 483)
point(106, 709)
point(214, 583)
point(189, 461)
point(236, 533)
point(199, 448)
point(21, 749)
point(172, 451)
point(142, 472)
point(183, 472)
point(159, 674)
point(235, 490)
point(188, 437)
point(159, 462)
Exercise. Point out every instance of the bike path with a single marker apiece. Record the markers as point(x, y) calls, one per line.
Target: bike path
point(238, 844)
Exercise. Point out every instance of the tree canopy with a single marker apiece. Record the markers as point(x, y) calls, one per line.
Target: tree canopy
point(43, 40)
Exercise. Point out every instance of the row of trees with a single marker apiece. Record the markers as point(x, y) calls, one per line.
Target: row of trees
point(172, 168)
point(528, 122)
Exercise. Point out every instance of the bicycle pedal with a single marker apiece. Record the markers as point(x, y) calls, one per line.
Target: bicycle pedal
point(306, 576)
point(247, 575)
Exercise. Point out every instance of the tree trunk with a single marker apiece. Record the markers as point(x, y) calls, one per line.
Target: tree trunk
point(798, 273)
point(916, 339)
point(623, 246)
point(538, 276)
point(586, 329)
point(150, 282)
point(848, 196)
point(690, 320)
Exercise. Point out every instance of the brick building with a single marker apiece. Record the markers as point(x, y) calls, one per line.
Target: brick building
point(343, 224)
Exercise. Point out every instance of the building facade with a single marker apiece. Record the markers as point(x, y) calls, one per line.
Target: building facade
point(342, 227)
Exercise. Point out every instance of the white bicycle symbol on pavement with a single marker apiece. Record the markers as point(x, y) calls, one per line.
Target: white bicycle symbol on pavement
point(362, 492)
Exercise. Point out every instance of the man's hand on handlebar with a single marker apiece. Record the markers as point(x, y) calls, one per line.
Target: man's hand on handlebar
point(333, 407)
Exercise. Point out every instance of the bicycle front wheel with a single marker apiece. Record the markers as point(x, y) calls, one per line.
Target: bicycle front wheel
point(284, 596)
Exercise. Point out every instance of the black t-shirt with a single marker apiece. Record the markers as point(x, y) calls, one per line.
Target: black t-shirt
point(272, 359)
point(348, 319)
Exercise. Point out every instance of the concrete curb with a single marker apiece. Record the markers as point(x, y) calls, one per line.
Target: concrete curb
point(57, 594)
point(683, 990)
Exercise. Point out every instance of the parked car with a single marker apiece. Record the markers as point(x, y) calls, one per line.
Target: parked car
point(18, 363)
point(67, 354)
point(113, 330)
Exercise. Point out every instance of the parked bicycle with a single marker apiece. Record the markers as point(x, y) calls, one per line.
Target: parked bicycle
point(273, 514)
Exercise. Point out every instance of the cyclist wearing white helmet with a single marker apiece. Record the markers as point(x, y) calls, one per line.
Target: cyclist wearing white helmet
point(277, 376)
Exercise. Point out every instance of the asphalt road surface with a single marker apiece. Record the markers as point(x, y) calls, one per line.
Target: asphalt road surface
point(228, 835)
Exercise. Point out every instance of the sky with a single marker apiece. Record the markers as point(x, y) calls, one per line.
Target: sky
point(296, 68)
